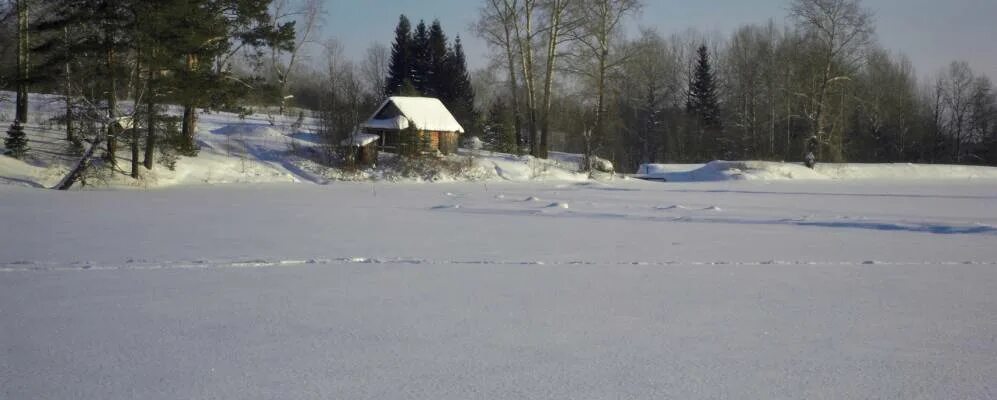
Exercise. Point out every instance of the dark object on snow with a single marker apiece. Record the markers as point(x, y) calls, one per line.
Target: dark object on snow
point(81, 166)
point(810, 161)
point(361, 148)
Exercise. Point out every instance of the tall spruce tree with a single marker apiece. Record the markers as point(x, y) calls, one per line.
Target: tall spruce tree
point(101, 31)
point(457, 85)
point(400, 66)
point(702, 105)
point(421, 66)
point(437, 77)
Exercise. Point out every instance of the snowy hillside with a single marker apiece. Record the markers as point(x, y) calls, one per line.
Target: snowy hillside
point(258, 148)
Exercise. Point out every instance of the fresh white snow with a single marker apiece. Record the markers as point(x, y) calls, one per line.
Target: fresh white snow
point(766, 170)
point(738, 289)
point(359, 139)
point(517, 278)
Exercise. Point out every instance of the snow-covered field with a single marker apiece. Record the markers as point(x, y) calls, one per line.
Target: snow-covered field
point(252, 273)
point(633, 289)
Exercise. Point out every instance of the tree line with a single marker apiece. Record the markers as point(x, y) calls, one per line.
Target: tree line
point(573, 80)
point(563, 74)
point(96, 53)
point(421, 61)
point(424, 63)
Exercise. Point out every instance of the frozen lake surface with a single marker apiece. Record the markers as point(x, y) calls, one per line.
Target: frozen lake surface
point(621, 289)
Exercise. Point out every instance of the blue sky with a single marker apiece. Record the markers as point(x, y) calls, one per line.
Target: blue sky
point(931, 32)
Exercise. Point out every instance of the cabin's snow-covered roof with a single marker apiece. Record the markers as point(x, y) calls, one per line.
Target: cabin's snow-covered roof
point(425, 113)
point(396, 123)
point(359, 139)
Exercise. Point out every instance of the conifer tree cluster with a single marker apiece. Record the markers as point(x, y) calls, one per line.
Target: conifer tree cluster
point(499, 131)
point(150, 52)
point(425, 63)
point(702, 104)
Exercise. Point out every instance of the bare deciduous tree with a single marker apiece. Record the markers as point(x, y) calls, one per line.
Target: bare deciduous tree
point(374, 68)
point(497, 25)
point(648, 84)
point(283, 60)
point(597, 27)
point(841, 28)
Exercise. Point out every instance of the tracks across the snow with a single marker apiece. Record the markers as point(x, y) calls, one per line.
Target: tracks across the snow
point(32, 266)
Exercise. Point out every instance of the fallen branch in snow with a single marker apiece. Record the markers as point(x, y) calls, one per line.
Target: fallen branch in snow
point(81, 167)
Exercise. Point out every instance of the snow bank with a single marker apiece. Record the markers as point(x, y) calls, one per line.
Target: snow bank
point(906, 171)
point(467, 166)
point(509, 167)
point(20, 173)
point(766, 170)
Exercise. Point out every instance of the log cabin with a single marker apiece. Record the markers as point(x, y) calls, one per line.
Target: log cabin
point(427, 115)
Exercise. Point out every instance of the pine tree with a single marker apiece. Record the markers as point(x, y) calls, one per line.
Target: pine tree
point(702, 104)
point(92, 34)
point(211, 29)
point(438, 77)
point(400, 66)
point(421, 66)
point(499, 131)
point(16, 141)
point(460, 100)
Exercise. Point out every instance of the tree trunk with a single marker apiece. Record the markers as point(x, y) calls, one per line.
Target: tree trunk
point(23, 67)
point(514, 91)
point(134, 137)
point(68, 91)
point(788, 144)
point(555, 27)
point(150, 104)
point(600, 108)
point(81, 166)
point(819, 115)
point(189, 124)
point(526, 53)
point(112, 98)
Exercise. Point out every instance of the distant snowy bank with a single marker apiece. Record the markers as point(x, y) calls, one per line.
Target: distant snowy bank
point(767, 170)
point(263, 148)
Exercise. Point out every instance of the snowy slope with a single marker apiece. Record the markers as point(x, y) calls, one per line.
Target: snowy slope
point(255, 149)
